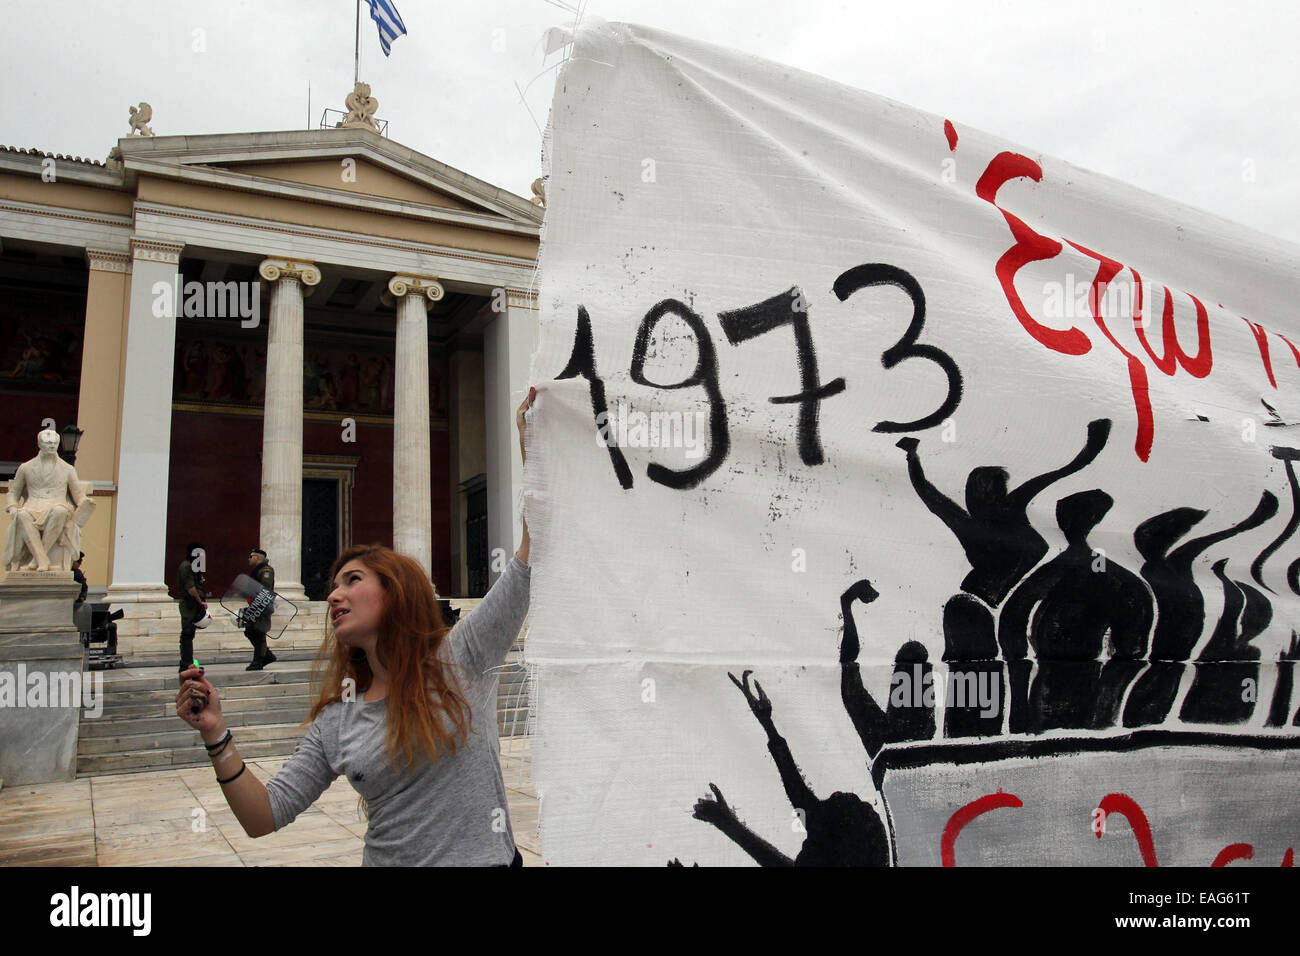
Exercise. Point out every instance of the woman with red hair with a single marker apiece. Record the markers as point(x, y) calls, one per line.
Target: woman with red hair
point(406, 709)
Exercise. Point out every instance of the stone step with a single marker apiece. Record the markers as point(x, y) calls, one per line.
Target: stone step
point(140, 680)
point(164, 648)
point(272, 710)
point(236, 700)
point(167, 661)
point(141, 760)
point(138, 729)
point(185, 738)
point(130, 710)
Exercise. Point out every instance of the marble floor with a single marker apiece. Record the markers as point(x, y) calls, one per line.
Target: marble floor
point(172, 817)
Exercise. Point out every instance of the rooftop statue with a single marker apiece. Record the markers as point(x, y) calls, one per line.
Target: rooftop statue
point(361, 109)
point(140, 118)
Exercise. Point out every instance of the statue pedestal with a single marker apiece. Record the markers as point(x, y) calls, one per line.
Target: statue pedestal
point(42, 666)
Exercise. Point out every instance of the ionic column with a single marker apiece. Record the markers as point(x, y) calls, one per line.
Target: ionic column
point(281, 522)
point(412, 488)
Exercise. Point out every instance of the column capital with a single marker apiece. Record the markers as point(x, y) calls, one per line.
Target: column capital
point(521, 299)
point(100, 260)
point(151, 250)
point(274, 268)
point(406, 283)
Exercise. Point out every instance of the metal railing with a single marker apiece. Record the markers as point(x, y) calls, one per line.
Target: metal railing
point(333, 119)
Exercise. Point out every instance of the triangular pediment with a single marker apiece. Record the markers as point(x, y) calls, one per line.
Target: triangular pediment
point(353, 175)
point(329, 165)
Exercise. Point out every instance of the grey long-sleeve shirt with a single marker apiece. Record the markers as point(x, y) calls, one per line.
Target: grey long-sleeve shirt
point(449, 813)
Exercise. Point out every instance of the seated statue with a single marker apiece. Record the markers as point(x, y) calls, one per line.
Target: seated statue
point(49, 507)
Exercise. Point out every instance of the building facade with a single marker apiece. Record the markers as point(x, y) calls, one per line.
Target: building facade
point(296, 341)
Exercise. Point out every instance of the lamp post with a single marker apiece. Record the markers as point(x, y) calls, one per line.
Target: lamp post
point(69, 439)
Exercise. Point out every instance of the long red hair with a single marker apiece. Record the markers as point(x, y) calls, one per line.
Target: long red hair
point(425, 709)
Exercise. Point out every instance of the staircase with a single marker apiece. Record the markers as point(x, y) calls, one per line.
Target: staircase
point(139, 730)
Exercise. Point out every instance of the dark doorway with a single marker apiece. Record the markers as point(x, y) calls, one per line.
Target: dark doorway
point(320, 534)
point(476, 542)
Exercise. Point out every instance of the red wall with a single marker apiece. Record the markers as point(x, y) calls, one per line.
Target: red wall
point(22, 422)
point(214, 493)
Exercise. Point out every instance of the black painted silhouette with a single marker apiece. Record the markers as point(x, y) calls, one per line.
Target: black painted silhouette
point(1277, 711)
point(1223, 673)
point(1070, 610)
point(842, 830)
point(1286, 456)
point(1084, 628)
point(895, 723)
point(1180, 605)
point(994, 530)
point(971, 652)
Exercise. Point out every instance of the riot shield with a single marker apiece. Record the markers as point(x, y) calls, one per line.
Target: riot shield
point(251, 605)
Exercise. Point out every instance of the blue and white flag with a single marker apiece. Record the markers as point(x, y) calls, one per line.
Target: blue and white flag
point(389, 22)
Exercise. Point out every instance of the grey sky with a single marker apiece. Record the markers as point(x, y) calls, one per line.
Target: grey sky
point(1184, 100)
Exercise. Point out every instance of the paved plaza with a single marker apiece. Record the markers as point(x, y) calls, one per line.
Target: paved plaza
point(149, 819)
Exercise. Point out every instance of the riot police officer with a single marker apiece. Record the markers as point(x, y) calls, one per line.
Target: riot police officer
point(256, 630)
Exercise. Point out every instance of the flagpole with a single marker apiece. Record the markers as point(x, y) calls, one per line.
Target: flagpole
point(356, 56)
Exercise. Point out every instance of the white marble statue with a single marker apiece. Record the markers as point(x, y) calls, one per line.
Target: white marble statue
point(49, 507)
point(140, 120)
point(361, 109)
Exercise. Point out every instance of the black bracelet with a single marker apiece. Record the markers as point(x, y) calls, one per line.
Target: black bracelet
point(213, 748)
point(242, 767)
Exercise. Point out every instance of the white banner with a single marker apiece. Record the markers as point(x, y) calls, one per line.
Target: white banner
point(888, 481)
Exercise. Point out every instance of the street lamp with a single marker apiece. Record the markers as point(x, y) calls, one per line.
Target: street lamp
point(69, 439)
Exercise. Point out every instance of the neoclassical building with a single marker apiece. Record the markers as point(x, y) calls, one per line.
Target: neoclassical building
point(290, 340)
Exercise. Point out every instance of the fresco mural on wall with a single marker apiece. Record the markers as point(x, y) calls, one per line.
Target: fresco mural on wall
point(40, 344)
point(351, 377)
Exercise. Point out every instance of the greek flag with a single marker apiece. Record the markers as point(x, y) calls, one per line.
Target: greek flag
point(389, 22)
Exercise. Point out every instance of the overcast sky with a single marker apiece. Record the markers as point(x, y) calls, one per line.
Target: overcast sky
point(1192, 102)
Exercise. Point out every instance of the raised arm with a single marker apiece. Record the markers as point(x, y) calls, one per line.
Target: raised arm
point(1098, 432)
point(486, 633)
point(259, 809)
point(1184, 555)
point(867, 716)
point(521, 423)
point(719, 813)
point(943, 507)
point(796, 787)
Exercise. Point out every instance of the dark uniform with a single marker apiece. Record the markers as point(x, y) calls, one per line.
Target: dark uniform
point(191, 610)
point(256, 632)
